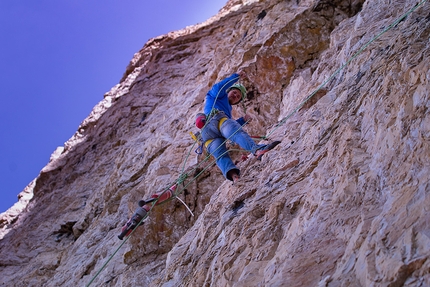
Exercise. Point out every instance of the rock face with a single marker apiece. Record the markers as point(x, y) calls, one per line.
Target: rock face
point(342, 201)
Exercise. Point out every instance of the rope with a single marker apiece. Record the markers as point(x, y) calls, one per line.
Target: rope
point(207, 121)
point(346, 64)
point(183, 175)
point(119, 247)
point(185, 205)
point(148, 213)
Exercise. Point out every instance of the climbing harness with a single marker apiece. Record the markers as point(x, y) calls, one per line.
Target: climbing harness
point(183, 176)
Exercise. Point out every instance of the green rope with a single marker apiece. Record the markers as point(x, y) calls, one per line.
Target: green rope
point(184, 176)
point(188, 155)
point(119, 247)
point(181, 179)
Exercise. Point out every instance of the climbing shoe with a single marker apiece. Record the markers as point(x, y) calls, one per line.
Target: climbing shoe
point(259, 153)
point(233, 175)
point(235, 178)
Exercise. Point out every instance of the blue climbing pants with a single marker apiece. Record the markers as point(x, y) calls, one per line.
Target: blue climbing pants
point(214, 136)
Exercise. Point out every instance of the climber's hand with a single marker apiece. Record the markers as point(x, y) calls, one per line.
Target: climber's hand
point(247, 118)
point(242, 75)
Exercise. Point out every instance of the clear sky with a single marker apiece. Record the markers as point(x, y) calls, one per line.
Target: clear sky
point(57, 60)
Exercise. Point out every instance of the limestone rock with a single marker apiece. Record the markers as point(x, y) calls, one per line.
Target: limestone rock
point(342, 201)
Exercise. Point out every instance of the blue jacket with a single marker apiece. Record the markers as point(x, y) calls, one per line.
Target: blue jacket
point(218, 93)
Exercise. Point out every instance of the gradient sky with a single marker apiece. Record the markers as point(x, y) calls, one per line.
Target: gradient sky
point(57, 60)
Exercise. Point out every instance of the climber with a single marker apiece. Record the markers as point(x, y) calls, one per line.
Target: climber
point(144, 207)
point(217, 125)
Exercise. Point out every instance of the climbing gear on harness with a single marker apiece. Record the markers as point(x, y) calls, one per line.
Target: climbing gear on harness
point(213, 113)
point(240, 87)
point(259, 153)
point(198, 139)
point(199, 149)
point(200, 120)
point(194, 136)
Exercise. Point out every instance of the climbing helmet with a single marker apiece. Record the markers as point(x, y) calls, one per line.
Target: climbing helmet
point(241, 88)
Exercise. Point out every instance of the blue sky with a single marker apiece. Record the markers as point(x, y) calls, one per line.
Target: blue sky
point(57, 60)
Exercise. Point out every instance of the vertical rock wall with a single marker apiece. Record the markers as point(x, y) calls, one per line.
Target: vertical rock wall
point(342, 201)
